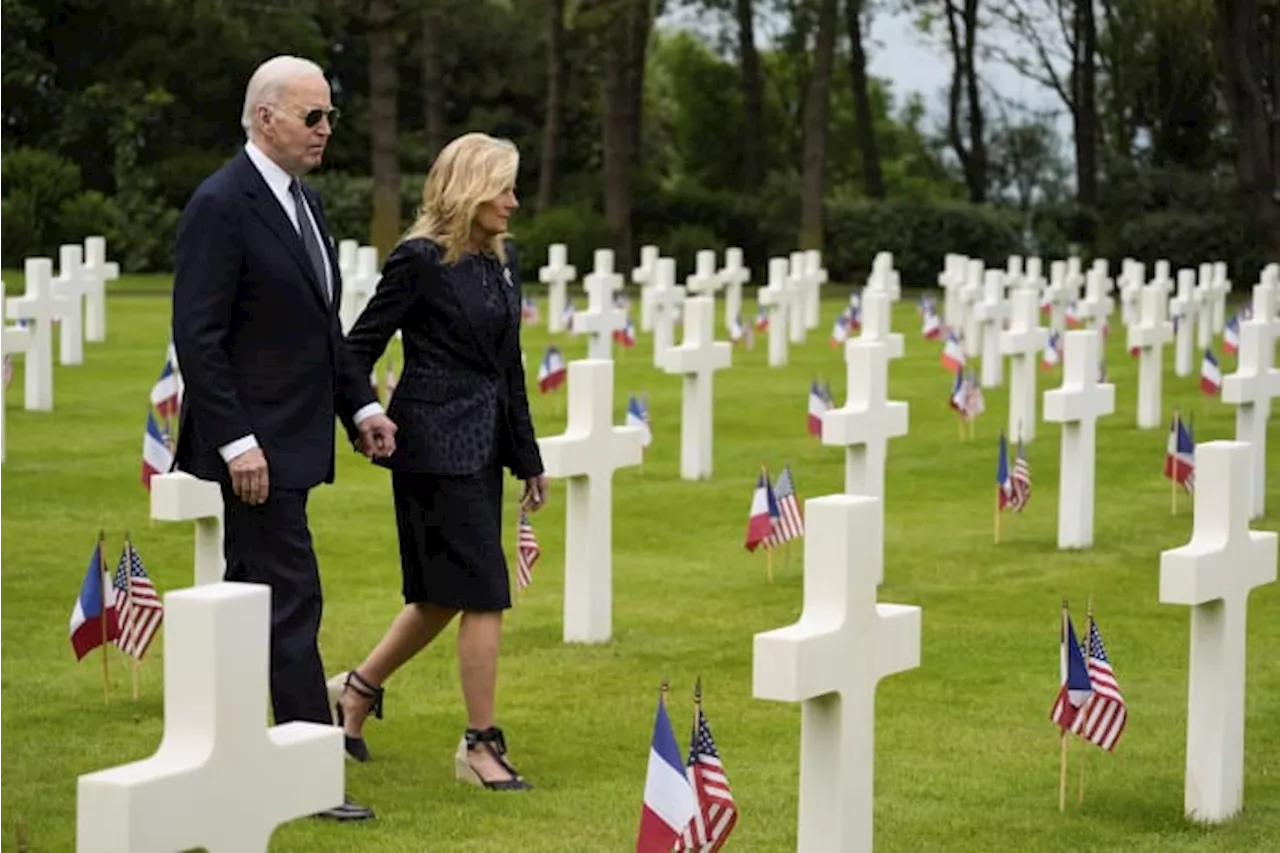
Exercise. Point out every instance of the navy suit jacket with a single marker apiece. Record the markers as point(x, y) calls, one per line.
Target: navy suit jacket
point(461, 402)
point(259, 343)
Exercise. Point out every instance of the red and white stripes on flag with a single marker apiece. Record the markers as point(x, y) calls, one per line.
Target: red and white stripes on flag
point(1103, 717)
point(139, 610)
point(527, 552)
point(716, 815)
point(790, 522)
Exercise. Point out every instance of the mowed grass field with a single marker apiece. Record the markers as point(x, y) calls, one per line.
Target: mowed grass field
point(966, 757)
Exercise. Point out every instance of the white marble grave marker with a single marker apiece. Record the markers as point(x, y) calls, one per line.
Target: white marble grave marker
point(1149, 336)
point(1213, 575)
point(69, 288)
point(812, 277)
point(732, 277)
point(970, 296)
point(697, 359)
point(951, 280)
point(1205, 297)
point(779, 301)
point(587, 453)
point(221, 780)
point(38, 306)
point(883, 276)
point(178, 496)
point(98, 271)
point(602, 317)
point(667, 299)
point(643, 275)
point(991, 313)
point(831, 661)
point(13, 340)
point(1077, 405)
point(1183, 308)
point(1251, 388)
point(877, 320)
point(705, 281)
point(556, 275)
point(797, 327)
point(359, 286)
point(1056, 296)
point(1023, 341)
point(866, 422)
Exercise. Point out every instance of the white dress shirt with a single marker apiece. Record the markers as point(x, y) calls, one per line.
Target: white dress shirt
point(278, 181)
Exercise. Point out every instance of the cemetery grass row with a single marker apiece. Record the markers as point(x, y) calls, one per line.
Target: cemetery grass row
point(966, 755)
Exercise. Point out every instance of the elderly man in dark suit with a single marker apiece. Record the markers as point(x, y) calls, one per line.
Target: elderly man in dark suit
point(256, 328)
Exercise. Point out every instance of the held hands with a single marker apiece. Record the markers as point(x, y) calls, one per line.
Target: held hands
point(535, 493)
point(377, 437)
point(249, 477)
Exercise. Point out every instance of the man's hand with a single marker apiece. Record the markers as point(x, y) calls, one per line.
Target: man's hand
point(377, 436)
point(535, 493)
point(249, 476)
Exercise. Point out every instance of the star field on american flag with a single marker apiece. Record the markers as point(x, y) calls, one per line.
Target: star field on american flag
point(139, 610)
point(1103, 718)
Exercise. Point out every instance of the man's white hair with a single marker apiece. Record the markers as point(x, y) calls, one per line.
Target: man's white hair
point(269, 80)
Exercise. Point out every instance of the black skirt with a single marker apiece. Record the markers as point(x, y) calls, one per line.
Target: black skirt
point(451, 539)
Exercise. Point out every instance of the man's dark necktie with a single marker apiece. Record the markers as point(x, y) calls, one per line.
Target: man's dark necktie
point(308, 235)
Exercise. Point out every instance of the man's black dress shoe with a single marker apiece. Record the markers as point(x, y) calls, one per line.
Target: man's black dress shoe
point(349, 810)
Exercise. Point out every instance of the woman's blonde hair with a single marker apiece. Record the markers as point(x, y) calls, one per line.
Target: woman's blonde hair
point(471, 170)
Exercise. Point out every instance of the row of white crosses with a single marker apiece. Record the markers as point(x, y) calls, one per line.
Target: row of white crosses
point(360, 276)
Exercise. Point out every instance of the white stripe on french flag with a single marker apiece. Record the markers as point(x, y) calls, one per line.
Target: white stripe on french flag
point(669, 801)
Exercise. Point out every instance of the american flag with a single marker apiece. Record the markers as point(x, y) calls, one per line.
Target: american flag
point(790, 523)
point(1102, 719)
point(1021, 481)
point(139, 610)
point(527, 552)
point(716, 815)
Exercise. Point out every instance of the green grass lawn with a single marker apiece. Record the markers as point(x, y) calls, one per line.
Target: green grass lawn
point(967, 758)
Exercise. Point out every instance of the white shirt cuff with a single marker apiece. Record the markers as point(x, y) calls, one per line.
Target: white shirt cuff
point(235, 448)
point(367, 412)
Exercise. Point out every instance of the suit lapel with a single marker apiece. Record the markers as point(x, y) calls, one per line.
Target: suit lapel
point(267, 207)
point(326, 240)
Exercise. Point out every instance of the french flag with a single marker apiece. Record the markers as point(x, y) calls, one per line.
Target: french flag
point(638, 416)
point(1077, 687)
point(1180, 455)
point(818, 405)
point(764, 509)
point(1231, 335)
point(157, 458)
point(164, 394)
point(93, 621)
point(1052, 353)
point(1210, 375)
point(552, 371)
point(932, 327)
point(952, 354)
point(669, 801)
point(958, 392)
point(626, 336)
point(762, 320)
point(840, 331)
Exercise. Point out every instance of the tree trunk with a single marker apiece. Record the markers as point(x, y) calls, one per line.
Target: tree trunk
point(641, 13)
point(817, 110)
point(872, 178)
point(555, 105)
point(752, 97)
point(433, 112)
point(383, 87)
point(619, 136)
point(1246, 34)
point(1085, 107)
point(977, 171)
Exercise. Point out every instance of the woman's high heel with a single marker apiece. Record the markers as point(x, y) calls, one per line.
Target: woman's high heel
point(355, 746)
point(492, 741)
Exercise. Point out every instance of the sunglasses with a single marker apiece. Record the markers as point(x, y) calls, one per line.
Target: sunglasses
point(312, 118)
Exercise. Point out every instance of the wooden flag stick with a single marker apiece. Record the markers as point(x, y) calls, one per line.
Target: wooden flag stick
point(1173, 481)
point(1062, 771)
point(102, 597)
point(697, 703)
point(998, 514)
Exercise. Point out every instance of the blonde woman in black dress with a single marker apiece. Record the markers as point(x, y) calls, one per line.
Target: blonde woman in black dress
point(452, 288)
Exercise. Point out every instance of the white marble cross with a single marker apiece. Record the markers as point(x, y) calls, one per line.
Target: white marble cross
point(1184, 307)
point(1033, 279)
point(1221, 286)
point(1205, 296)
point(813, 278)
point(877, 321)
point(705, 281)
point(666, 299)
point(970, 296)
point(1251, 388)
point(697, 359)
point(1077, 405)
point(178, 496)
point(866, 422)
point(732, 278)
point(1023, 341)
point(1056, 296)
point(221, 781)
point(556, 275)
point(587, 453)
point(98, 271)
point(347, 257)
point(38, 306)
point(602, 317)
point(359, 285)
point(883, 276)
point(1013, 272)
point(779, 300)
point(951, 280)
point(797, 326)
point(1266, 295)
point(13, 340)
point(1096, 307)
point(643, 275)
point(69, 286)
point(1149, 336)
point(1213, 574)
point(991, 313)
point(1133, 275)
point(831, 661)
